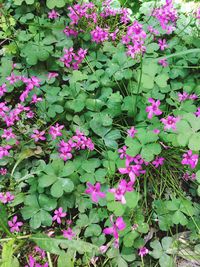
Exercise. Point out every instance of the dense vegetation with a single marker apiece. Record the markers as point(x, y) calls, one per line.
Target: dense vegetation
point(100, 133)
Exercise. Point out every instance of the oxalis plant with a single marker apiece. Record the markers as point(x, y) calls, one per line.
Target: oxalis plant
point(100, 133)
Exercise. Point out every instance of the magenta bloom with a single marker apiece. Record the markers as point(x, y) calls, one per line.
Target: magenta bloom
point(143, 251)
point(163, 62)
point(190, 159)
point(162, 44)
point(58, 214)
point(103, 249)
point(69, 234)
point(52, 75)
point(6, 197)
point(35, 99)
point(131, 132)
point(53, 14)
point(121, 190)
point(3, 89)
point(159, 161)
point(154, 108)
point(38, 135)
point(122, 152)
point(197, 113)
point(14, 225)
point(95, 191)
point(8, 134)
point(132, 171)
point(118, 225)
point(3, 171)
point(183, 96)
point(55, 131)
point(99, 35)
point(4, 151)
point(170, 122)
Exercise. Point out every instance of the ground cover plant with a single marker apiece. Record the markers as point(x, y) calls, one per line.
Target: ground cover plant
point(100, 133)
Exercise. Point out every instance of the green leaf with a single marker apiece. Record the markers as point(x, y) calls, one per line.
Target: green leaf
point(157, 249)
point(68, 169)
point(166, 261)
point(194, 141)
point(8, 259)
point(53, 245)
point(90, 165)
point(132, 199)
point(111, 137)
point(46, 202)
point(92, 230)
point(47, 180)
point(161, 80)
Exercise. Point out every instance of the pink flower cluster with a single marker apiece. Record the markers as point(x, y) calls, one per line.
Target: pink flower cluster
point(185, 96)
point(190, 159)
point(167, 16)
point(189, 177)
point(39, 256)
point(6, 197)
point(134, 39)
point(77, 142)
point(30, 83)
point(4, 151)
point(72, 59)
point(85, 10)
point(133, 170)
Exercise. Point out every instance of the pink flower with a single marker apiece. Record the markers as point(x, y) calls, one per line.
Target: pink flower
point(170, 122)
point(40, 251)
point(159, 161)
point(3, 89)
point(55, 131)
point(118, 225)
point(143, 251)
point(162, 44)
point(187, 176)
point(35, 99)
point(132, 170)
point(69, 234)
point(122, 152)
point(197, 113)
point(8, 134)
point(156, 131)
point(4, 151)
point(95, 192)
point(38, 135)
point(3, 171)
point(154, 108)
point(163, 62)
point(103, 249)
point(58, 214)
point(6, 197)
point(14, 225)
point(99, 35)
point(52, 75)
point(183, 96)
point(132, 132)
point(53, 14)
point(190, 159)
point(120, 192)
